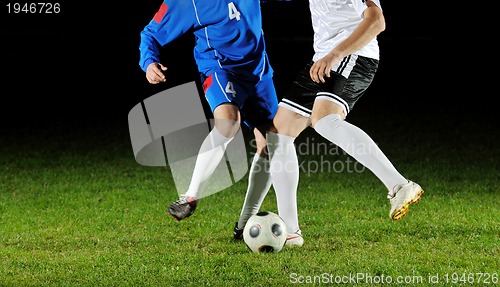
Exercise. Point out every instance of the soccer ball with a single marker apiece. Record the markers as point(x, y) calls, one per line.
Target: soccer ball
point(265, 232)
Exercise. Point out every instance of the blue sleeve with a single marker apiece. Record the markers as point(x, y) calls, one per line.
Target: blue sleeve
point(173, 19)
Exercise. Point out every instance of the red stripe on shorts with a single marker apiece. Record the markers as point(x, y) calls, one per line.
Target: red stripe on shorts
point(207, 83)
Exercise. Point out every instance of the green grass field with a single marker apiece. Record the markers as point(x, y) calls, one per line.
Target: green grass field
point(77, 210)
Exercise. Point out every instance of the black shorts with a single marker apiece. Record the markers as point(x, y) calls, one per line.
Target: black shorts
point(347, 83)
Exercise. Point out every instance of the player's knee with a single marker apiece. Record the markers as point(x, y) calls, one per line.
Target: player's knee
point(315, 119)
point(227, 119)
point(289, 125)
point(323, 108)
point(227, 128)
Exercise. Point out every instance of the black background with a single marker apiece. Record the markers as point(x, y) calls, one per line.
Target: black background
point(81, 65)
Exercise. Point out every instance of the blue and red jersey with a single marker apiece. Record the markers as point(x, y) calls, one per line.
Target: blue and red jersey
point(228, 35)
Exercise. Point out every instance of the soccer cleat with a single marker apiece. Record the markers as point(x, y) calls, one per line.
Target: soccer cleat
point(237, 232)
point(182, 208)
point(295, 239)
point(401, 198)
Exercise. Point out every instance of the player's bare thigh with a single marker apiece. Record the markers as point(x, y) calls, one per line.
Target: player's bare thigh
point(322, 108)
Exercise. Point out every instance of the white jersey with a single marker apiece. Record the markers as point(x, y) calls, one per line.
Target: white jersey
point(335, 20)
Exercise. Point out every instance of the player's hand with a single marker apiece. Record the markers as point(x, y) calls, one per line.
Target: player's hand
point(322, 68)
point(154, 73)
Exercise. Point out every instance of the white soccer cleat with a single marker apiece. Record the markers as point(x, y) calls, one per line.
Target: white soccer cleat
point(295, 239)
point(401, 198)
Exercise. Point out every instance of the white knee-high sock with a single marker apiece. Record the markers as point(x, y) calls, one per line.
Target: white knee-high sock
point(284, 167)
point(259, 182)
point(210, 154)
point(361, 147)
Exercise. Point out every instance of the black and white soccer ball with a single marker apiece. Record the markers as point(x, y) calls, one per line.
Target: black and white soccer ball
point(265, 232)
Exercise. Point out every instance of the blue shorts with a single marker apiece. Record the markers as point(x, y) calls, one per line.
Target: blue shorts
point(257, 100)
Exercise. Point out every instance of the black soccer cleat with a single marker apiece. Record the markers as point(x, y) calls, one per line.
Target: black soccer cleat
point(237, 232)
point(182, 208)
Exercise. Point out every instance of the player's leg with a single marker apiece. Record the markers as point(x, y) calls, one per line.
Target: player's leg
point(328, 121)
point(227, 123)
point(211, 152)
point(329, 111)
point(285, 168)
point(292, 118)
point(258, 113)
point(259, 182)
point(284, 172)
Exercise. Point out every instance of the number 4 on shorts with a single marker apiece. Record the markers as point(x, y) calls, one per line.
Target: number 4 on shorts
point(230, 89)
